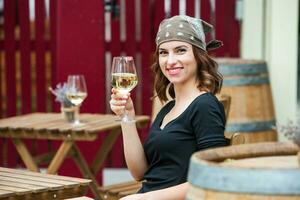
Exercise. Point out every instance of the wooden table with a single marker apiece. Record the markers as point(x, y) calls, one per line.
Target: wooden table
point(51, 126)
point(21, 184)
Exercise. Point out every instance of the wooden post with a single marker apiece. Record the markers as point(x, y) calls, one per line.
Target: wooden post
point(78, 31)
point(80, 48)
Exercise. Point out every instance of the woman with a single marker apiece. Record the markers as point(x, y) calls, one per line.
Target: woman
point(194, 120)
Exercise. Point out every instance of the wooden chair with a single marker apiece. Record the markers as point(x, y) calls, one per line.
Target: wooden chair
point(116, 191)
point(226, 101)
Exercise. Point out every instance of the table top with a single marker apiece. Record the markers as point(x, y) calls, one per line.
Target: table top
point(53, 126)
point(23, 184)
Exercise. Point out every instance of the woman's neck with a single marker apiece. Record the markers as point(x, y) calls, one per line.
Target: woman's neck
point(186, 93)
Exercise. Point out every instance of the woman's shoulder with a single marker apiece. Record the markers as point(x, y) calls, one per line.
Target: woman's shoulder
point(206, 104)
point(206, 99)
point(206, 107)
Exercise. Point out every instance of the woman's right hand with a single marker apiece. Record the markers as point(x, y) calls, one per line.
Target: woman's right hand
point(121, 103)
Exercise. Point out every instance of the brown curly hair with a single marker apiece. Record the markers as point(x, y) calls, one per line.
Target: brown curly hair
point(208, 76)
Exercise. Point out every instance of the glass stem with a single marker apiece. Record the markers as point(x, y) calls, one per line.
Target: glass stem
point(76, 115)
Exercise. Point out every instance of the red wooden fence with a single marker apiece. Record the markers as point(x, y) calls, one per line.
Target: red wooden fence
point(81, 37)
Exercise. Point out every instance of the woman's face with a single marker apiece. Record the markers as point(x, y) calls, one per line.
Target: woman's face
point(177, 62)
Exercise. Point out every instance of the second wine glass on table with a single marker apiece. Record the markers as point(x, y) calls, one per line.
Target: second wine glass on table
point(123, 77)
point(76, 93)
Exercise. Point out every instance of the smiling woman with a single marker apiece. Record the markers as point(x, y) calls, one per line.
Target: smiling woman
point(173, 56)
point(192, 120)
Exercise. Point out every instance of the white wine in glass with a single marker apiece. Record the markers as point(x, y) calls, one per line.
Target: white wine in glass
point(77, 97)
point(124, 82)
point(123, 76)
point(76, 92)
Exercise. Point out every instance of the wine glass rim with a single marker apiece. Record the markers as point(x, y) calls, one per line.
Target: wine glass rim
point(124, 57)
point(75, 75)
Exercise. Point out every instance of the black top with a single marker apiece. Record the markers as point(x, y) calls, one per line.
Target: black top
point(168, 150)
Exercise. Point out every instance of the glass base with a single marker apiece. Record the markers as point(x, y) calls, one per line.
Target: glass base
point(70, 114)
point(77, 123)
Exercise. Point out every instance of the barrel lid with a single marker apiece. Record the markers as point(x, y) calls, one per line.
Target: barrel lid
point(207, 171)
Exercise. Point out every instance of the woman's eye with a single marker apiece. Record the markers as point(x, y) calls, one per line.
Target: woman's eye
point(181, 50)
point(162, 53)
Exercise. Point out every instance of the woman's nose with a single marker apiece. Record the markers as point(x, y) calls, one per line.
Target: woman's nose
point(171, 59)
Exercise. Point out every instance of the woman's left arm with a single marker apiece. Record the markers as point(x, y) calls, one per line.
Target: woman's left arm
point(177, 192)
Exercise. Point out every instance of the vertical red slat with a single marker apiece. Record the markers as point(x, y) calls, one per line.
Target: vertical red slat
point(225, 20)
point(80, 50)
point(205, 10)
point(147, 53)
point(115, 42)
point(158, 13)
point(53, 46)
point(117, 158)
point(158, 10)
point(40, 55)
point(25, 56)
point(174, 7)
point(10, 50)
point(10, 89)
point(130, 43)
point(25, 33)
point(234, 29)
point(190, 8)
point(222, 24)
point(1, 79)
point(40, 72)
point(115, 49)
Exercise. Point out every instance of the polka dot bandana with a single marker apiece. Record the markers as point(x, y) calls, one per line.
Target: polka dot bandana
point(187, 29)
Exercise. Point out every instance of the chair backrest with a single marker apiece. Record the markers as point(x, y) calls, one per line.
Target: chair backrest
point(226, 101)
point(235, 138)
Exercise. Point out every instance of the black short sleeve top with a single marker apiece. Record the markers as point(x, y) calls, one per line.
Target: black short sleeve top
point(168, 150)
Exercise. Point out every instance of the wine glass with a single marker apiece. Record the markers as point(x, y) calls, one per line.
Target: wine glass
point(123, 77)
point(76, 93)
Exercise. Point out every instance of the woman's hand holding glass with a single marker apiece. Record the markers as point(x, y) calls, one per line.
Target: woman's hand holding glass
point(121, 104)
point(123, 80)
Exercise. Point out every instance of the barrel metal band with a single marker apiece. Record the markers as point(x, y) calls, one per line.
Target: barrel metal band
point(254, 80)
point(255, 181)
point(251, 126)
point(244, 69)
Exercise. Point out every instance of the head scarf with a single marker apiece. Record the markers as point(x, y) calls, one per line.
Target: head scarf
point(186, 29)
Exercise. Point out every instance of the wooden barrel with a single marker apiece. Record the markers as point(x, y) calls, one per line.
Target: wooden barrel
point(267, 171)
point(251, 111)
